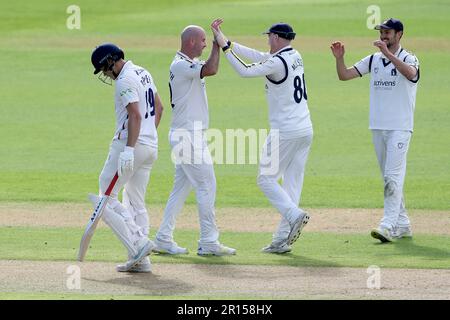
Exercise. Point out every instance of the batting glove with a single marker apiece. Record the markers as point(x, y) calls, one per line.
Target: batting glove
point(126, 161)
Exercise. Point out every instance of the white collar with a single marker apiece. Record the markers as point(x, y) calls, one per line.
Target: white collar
point(125, 66)
point(185, 56)
point(284, 48)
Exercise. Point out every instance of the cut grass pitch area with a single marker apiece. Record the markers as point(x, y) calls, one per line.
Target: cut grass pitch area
point(68, 296)
point(312, 249)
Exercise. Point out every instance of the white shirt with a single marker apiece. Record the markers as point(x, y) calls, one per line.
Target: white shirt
point(392, 95)
point(285, 86)
point(135, 84)
point(188, 94)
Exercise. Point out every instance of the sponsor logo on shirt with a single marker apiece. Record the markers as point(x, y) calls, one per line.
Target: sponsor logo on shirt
point(383, 84)
point(124, 92)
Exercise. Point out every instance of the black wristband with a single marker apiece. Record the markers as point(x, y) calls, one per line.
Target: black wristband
point(227, 46)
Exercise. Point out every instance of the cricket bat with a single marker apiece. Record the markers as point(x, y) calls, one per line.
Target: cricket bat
point(95, 218)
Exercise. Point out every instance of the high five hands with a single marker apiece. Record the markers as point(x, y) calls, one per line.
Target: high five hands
point(218, 35)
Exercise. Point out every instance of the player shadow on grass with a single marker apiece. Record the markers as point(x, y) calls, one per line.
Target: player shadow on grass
point(248, 271)
point(287, 259)
point(145, 284)
point(228, 267)
point(292, 259)
point(193, 259)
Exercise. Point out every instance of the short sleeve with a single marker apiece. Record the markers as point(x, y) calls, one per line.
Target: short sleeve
point(363, 66)
point(187, 69)
point(412, 61)
point(127, 92)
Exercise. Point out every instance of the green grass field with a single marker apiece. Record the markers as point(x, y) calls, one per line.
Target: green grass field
point(317, 249)
point(57, 119)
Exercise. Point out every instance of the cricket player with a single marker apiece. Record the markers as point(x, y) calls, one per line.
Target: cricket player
point(133, 150)
point(394, 73)
point(193, 163)
point(290, 138)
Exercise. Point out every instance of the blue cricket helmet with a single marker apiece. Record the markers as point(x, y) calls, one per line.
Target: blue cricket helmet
point(102, 53)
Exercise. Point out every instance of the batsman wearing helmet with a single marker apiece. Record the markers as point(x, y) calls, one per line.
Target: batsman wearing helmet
point(133, 150)
point(287, 147)
point(394, 75)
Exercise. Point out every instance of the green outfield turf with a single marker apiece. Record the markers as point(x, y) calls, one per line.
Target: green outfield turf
point(58, 119)
point(313, 249)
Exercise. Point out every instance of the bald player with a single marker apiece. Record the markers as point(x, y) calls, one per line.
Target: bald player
point(193, 163)
point(394, 73)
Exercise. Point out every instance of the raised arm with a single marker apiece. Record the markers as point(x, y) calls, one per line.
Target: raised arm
point(344, 73)
point(249, 53)
point(212, 64)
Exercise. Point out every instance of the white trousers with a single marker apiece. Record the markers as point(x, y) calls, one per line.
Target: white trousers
point(292, 156)
point(391, 148)
point(129, 219)
point(193, 171)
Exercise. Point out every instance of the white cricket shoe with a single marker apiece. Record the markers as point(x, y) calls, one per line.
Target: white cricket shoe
point(216, 250)
point(278, 247)
point(402, 232)
point(164, 247)
point(143, 251)
point(382, 234)
point(144, 266)
point(296, 228)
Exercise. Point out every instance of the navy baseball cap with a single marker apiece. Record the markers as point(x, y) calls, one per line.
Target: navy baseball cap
point(391, 23)
point(283, 30)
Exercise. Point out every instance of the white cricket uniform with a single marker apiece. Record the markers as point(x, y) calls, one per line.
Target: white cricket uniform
point(289, 116)
point(391, 119)
point(129, 219)
point(193, 168)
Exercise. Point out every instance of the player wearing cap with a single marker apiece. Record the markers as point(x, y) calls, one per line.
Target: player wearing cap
point(132, 152)
point(393, 85)
point(289, 141)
